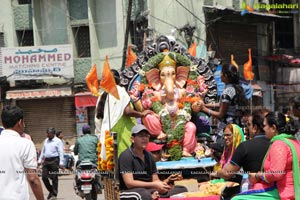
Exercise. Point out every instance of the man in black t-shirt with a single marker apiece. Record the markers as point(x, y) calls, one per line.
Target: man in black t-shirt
point(249, 155)
point(138, 172)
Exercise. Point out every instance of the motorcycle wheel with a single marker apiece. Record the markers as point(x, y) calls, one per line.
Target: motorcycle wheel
point(94, 193)
point(88, 196)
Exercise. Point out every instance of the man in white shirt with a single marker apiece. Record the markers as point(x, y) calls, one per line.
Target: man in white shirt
point(18, 159)
point(52, 156)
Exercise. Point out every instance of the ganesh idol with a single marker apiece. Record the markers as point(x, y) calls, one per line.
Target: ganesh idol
point(165, 90)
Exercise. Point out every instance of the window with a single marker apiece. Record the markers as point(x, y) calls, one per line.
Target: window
point(78, 9)
point(82, 41)
point(1, 39)
point(24, 2)
point(284, 33)
point(1, 73)
point(106, 23)
point(25, 38)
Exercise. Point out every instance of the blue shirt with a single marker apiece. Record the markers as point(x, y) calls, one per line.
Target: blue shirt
point(52, 148)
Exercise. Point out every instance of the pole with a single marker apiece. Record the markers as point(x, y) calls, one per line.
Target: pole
point(126, 34)
point(109, 124)
point(251, 100)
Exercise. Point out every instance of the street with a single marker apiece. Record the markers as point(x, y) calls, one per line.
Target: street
point(65, 189)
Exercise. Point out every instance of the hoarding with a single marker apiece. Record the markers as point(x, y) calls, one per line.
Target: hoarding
point(37, 62)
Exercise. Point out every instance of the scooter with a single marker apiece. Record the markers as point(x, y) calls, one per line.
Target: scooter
point(87, 183)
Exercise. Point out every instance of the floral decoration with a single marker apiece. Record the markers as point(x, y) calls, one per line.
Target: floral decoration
point(107, 164)
point(174, 127)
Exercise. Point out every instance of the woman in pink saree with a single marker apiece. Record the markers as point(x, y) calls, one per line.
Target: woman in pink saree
point(279, 178)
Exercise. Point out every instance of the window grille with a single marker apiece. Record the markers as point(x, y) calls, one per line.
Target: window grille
point(82, 41)
point(25, 38)
point(1, 39)
point(24, 2)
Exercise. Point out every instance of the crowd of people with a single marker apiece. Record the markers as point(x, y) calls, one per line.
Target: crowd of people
point(269, 154)
point(22, 161)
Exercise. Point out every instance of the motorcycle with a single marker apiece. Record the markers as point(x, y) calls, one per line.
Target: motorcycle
point(87, 184)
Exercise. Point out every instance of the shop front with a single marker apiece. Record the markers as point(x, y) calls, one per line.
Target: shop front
point(40, 79)
point(46, 108)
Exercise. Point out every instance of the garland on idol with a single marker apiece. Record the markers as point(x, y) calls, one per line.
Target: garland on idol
point(174, 127)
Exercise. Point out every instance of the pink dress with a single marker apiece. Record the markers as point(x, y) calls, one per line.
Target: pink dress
point(189, 143)
point(278, 167)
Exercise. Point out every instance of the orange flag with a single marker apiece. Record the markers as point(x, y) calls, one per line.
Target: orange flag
point(232, 61)
point(248, 74)
point(192, 49)
point(91, 80)
point(131, 57)
point(108, 83)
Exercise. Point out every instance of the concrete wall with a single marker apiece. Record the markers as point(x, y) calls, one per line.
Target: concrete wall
point(81, 69)
point(53, 21)
point(177, 16)
point(23, 17)
point(7, 24)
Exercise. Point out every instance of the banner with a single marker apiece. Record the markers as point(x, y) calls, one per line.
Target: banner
point(37, 62)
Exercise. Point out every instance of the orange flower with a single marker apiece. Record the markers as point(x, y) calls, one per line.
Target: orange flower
point(186, 99)
point(180, 105)
point(191, 82)
point(149, 85)
point(182, 100)
point(110, 166)
point(173, 143)
point(142, 88)
point(194, 99)
point(154, 99)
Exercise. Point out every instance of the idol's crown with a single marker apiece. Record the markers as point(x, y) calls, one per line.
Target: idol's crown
point(167, 62)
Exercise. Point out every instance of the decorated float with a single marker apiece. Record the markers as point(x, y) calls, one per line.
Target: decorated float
point(165, 78)
point(168, 80)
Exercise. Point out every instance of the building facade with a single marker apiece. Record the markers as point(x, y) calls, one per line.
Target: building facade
point(88, 30)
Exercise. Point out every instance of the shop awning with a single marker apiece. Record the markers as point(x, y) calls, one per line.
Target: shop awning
point(218, 12)
point(85, 99)
point(39, 93)
point(284, 58)
point(226, 10)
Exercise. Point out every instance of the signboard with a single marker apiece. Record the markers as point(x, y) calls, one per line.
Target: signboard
point(38, 62)
point(39, 93)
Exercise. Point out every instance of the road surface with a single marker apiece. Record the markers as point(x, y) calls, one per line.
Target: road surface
point(65, 189)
